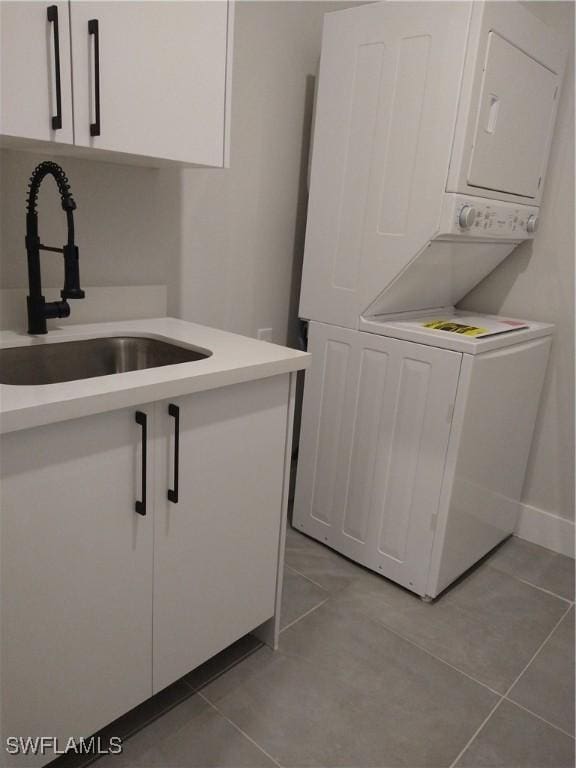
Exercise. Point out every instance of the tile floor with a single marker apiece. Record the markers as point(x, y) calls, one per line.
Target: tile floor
point(369, 676)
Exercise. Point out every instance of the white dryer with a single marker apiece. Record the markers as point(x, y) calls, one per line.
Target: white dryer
point(433, 128)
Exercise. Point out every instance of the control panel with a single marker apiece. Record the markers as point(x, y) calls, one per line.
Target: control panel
point(480, 217)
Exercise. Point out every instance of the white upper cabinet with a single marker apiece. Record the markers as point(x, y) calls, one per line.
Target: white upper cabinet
point(151, 79)
point(36, 98)
point(162, 78)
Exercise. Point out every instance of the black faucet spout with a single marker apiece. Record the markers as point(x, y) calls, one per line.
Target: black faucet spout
point(40, 310)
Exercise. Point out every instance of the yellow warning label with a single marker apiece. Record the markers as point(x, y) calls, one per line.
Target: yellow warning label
point(446, 325)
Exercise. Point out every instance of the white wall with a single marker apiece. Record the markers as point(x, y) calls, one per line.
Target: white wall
point(243, 229)
point(127, 221)
point(537, 282)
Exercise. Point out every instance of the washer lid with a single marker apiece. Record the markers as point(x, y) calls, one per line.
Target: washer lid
point(470, 333)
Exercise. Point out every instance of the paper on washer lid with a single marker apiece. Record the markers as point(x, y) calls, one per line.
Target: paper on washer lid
point(470, 325)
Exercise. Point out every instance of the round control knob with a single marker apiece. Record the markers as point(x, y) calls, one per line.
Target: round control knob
point(532, 224)
point(466, 216)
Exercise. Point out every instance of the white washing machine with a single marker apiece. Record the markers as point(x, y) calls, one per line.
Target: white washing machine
point(432, 133)
point(414, 442)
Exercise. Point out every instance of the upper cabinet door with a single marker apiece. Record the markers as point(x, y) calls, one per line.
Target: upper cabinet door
point(514, 121)
point(35, 79)
point(150, 78)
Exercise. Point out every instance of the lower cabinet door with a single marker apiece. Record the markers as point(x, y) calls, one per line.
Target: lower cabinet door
point(216, 548)
point(76, 578)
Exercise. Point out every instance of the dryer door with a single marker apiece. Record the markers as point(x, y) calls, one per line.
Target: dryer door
point(514, 121)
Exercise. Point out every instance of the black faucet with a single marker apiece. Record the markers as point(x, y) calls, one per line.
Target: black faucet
point(39, 310)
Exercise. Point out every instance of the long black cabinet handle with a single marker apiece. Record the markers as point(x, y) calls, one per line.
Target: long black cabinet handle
point(142, 419)
point(94, 30)
point(174, 411)
point(52, 14)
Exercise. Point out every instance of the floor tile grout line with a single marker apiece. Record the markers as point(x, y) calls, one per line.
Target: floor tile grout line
point(535, 714)
point(476, 733)
point(504, 697)
point(542, 644)
point(294, 570)
point(303, 616)
point(457, 669)
point(237, 727)
point(410, 641)
point(530, 584)
point(443, 661)
point(428, 652)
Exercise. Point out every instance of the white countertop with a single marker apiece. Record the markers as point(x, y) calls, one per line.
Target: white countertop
point(234, 359)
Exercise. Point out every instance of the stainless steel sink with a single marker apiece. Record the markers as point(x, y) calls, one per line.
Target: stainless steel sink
point(71, 360)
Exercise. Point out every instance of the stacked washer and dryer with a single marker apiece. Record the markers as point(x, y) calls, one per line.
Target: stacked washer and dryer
point(432, 134)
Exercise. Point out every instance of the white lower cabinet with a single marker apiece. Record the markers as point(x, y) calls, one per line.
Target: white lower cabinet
point(75, 580)
point(216, 549)
point(102, 606)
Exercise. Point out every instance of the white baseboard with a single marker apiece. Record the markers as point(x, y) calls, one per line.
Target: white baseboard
point(548, 530)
